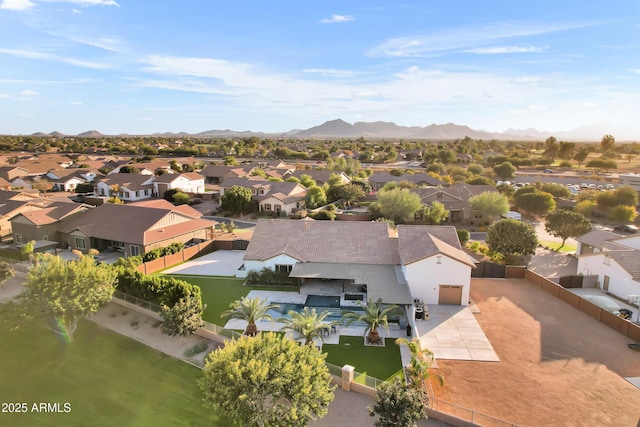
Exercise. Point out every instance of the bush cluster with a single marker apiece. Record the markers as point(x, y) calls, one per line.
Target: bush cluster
point(268, 276)
point(160, 252)
point(156, 289)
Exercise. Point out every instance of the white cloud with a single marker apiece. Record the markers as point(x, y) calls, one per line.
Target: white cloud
point(463, 39)
point(5, 95)
point(85, 3)
point(331, 72)
point(28, 92)
point(366, 94)
point(76, 103)
point(17, 5)
point(337, 19)
point(49, 57)
point(635, 70)
point(528, 80)
point(506, 49)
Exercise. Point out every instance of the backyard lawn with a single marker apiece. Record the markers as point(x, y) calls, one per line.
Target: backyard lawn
point(107, 379)
point(378, 362)
point(219, 292)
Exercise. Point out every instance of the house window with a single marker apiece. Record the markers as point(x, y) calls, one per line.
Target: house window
point(135, 250)
point(126, 194)
point(19, 238)
point(138, 193)
point(277, 208)
point(45, 237)
point(261, 191)
point(80, 243)
point(606, 260)
point(284, 268)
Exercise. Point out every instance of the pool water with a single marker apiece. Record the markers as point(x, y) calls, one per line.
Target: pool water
point(322, 301)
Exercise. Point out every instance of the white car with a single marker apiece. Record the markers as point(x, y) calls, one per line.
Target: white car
point(605, 303)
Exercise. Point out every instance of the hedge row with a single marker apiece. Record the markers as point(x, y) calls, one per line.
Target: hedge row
point(156, 289)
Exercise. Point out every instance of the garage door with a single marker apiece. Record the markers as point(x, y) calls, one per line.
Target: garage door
point(451, 295)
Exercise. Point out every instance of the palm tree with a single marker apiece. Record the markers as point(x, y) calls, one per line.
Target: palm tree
point(251, 310)
point(307, 323)
point(418, 375)
point(375, 315)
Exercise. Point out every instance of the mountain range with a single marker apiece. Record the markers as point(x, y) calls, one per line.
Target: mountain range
point(340, 129)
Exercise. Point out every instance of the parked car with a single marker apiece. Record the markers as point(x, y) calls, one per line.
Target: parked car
point(605, 303)
point(548, 171)
point(627, 228)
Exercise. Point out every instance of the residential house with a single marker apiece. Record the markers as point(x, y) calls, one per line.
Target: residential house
point(270, 196)
point(12, 172)
point(150, 168)
point(13, 203)
point(614, 260)
point(216, 174)
point(190, 182)
point(454, 198)
point(379, 179)
point(128, 187)
point(133, 230)
point(422, 263)
point(320, 176)
point(69, 179)
point(42, 223)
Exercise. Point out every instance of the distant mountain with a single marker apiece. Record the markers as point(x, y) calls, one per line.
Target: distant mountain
point(90, 133)
point(229, 132)
point(340, 128)
point(56, 134)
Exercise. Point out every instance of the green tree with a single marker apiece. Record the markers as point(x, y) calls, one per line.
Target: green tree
point(180, 198)
point(622, 213)
point(237, 200)
point(504, 170)
point(351, 193)
point(585, 207)
point(463, 235)
point(581, 155)
point(66, 291)
point(556, 190)
point(398, 204)
point(315, 197)
point(551, 147)
point(607, 142)
point(115, 200)
point(397, 406)
point(435, 213)
point(251, 310)
point(475, 169)
point(267, 381)
point(480, 180)
point(84, 187)
point(598, 165)
point(6, 272)
point(512, 237)
point(307, 181)
point(489, 204)
point(184, 318)
point(533, 201)
point(418, 371)
point(374, 314)
point(27, 249)
point(307, 323)
point(565, 224)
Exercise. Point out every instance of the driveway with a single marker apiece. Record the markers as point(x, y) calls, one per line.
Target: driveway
point(552, 264)
point(218, 263)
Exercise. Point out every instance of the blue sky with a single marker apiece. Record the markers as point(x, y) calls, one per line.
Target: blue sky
point(143, 66)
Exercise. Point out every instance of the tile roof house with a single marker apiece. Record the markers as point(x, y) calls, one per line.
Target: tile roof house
point(270, 196)
point(189, 182)
point(454, 198)
point(13, 203)
point(615, 259)
point(320, 176)
point(42, 223)
point(132, 229)
point(424, 263)
point(68, 179)
point(379, 179)
point(129, 187)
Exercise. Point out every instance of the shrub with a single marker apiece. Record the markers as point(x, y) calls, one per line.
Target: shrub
point(323, 215)
point(197, 348)
point(463, 235)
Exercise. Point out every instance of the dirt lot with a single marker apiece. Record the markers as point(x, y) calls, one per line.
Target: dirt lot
point(558, 367)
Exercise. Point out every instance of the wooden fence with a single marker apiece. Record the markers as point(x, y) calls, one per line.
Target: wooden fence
point(186, 254)
point(625, 327)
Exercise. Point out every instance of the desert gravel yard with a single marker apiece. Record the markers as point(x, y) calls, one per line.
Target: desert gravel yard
point(558, 366)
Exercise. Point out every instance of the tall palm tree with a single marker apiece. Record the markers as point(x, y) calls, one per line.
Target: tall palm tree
point(307, 323)
point(417, 372)
point(251, 310)
point(375, 315)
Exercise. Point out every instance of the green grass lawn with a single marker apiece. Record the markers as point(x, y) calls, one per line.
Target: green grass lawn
point(108, 379)
point(556, 246)
point(219, 292)
point(378, 362)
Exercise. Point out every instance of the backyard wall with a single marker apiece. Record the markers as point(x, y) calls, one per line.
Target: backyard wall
point(625, 327)
point(161, 263)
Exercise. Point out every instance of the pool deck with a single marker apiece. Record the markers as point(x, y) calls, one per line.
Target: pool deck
point(451, 332)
